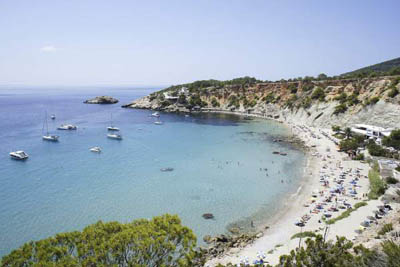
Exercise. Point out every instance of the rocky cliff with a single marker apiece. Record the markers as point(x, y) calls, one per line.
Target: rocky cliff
point(318, 103)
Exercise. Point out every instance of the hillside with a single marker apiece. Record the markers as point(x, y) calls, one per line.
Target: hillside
point(389, 67)
point(315, 102)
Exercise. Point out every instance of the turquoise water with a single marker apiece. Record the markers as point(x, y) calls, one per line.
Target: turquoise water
point(218, 164)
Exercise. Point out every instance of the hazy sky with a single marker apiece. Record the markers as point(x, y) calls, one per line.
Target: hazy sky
point(112, 42)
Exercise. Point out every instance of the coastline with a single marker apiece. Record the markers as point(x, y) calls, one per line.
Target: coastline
point(276, 239)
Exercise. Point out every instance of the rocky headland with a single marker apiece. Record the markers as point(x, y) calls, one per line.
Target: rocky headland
point(102, 100)
point(313, 102)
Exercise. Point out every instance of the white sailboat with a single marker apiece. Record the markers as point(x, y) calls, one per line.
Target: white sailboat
point(111, 127)
point(114, 136)
point(47, 136)
point(96, 149)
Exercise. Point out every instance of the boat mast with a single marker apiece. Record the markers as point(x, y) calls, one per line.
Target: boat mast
point(47, 126)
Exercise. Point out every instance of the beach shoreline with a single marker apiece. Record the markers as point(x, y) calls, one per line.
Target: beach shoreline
point(277, 231)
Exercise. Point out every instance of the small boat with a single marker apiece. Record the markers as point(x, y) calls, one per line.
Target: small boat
point(111, 127)
point(47, 136)
point(155, 114)
point(115, 136)
point(19, 155)
point(53, 117)
point(158, 122)
point(96, 149)
point(67, 127)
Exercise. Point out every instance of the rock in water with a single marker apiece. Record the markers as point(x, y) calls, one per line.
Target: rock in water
point(208, 216)
point(102, 100)
point(167, 169)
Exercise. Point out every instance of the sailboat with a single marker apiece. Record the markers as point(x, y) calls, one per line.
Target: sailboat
point(47, 136)
point(158, 122)
point(114, 136)
point(111, 127)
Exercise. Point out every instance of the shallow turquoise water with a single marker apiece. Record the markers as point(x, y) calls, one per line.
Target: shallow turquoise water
point(62, 186)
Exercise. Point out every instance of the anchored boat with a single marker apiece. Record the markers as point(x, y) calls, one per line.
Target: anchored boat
point(19, 155)
point(47, 136)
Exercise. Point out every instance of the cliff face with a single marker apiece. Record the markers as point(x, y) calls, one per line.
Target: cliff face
point(318, 103)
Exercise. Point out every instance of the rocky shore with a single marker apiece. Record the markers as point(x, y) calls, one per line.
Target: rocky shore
point(102, 100)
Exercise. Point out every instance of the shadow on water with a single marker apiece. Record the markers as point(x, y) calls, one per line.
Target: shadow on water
point(213, 119)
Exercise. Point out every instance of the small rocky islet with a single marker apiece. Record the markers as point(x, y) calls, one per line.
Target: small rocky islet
point(102, 100)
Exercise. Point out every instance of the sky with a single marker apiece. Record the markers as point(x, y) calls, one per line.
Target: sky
point(116, 42)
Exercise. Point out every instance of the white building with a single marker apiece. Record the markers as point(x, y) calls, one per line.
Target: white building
point(371, 131)
point(169, 97)
point(184, 91)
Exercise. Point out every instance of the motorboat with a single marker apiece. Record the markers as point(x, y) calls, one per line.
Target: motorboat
point(96, 149)
point(115, 136)
point(67, 127)
point(155, 114)
point(111, 127)
point(19, 155)
point(53, 117)
point(158, 122)
point(47, 136)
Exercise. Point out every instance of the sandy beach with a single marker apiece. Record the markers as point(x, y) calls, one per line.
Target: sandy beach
point(332, 183)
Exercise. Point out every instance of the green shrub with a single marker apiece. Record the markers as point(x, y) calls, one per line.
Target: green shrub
point(306, 103)
point(376, 150)
point(372, 100)
point(393, 140)
point(360, 157)
point(376, 184)
point(348, 145)
point(319, 94)
point(393, 92)
point(391, 180)
point(214, 102)
point(385, 229)
point(392, 251)
point(233, 101)
point(335, 128)
point(268, 98)
point(341, 108)
point(307, 86)
point(182, 99)
point(352, 99)
point(341, 98)
point(347, 212)
point(303, 235)
point(162, 241)
point(292, 88)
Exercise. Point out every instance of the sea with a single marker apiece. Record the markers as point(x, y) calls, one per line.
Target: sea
point(219, 164)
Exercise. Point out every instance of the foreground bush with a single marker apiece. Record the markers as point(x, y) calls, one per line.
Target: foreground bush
point(162, 241)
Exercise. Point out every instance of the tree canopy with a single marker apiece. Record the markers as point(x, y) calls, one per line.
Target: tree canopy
point(162, 241)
